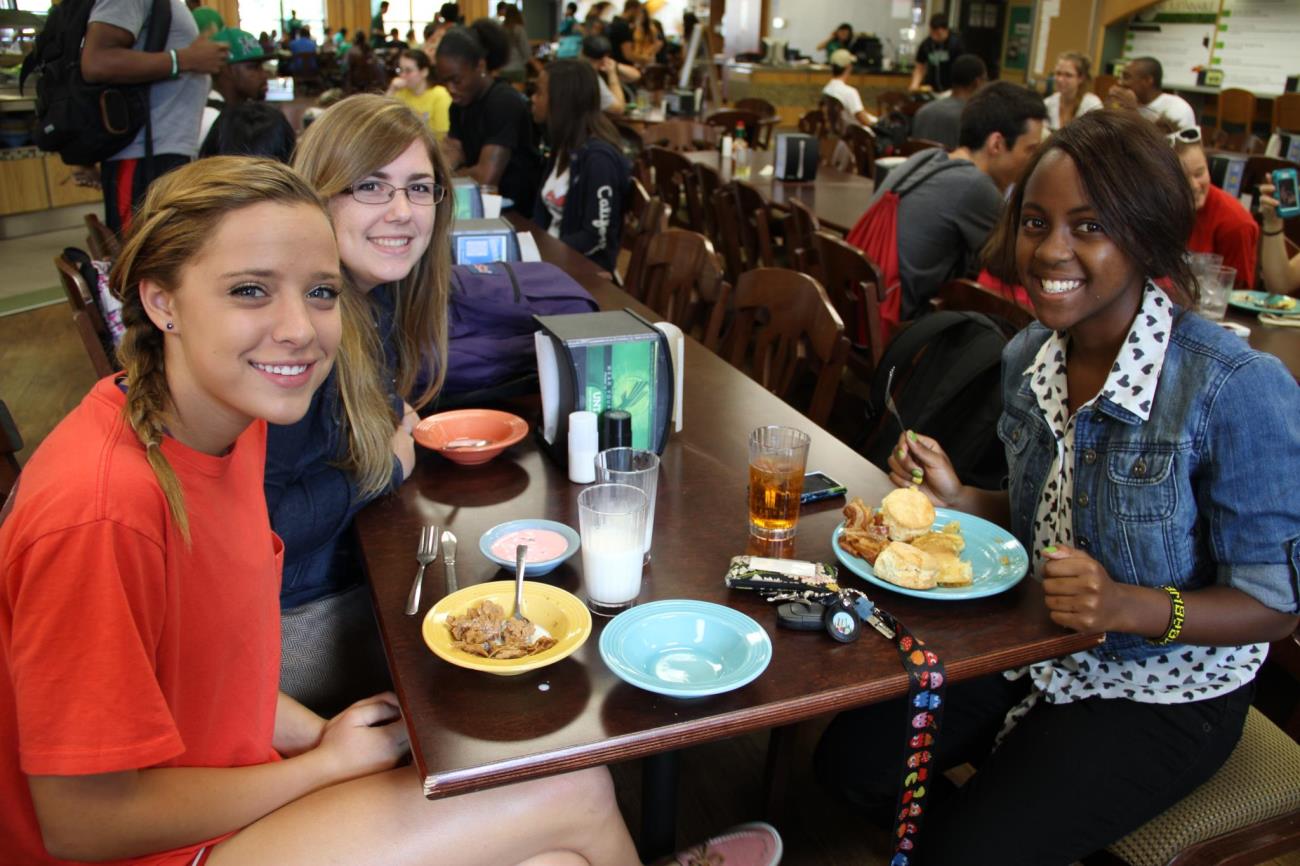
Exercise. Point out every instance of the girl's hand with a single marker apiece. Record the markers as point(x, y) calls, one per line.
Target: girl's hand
point(367, 737)
point(920, 460)
point(1080, 593)
point(404, 447)
point(396, 84)
point(1268, 208)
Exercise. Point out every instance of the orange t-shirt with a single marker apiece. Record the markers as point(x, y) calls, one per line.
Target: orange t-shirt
point(121, 647)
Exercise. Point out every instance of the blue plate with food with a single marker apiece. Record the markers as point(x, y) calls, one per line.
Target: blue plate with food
point(909, 546)
point(684, 648)
point(549, 544)
point(1265, 302)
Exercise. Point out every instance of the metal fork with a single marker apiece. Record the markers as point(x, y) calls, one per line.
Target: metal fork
point(425, 554)
point(889, 399)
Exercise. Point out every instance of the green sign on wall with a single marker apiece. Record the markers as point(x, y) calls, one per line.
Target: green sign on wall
point(1019, 27)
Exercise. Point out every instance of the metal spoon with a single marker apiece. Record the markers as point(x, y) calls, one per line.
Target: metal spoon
point(521, 556)
point(466, 443)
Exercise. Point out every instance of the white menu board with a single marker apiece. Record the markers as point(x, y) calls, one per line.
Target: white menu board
point(1255, 46)
point(1182, 48)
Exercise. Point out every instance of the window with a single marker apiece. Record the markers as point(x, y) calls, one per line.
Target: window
point(263, 16)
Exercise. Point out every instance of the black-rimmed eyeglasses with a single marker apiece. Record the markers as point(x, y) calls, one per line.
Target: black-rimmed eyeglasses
point(379, 192)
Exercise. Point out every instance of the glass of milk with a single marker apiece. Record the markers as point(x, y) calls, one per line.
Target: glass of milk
point(611, 522)
point(638, 468)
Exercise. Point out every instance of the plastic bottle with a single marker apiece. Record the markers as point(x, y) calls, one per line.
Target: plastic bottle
point(583, 446)
point(740, 152)
point(725, 156)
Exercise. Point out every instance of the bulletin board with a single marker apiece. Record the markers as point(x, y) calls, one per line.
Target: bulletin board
point(1255, 45)
point(1020, 25)
point(1182, 46)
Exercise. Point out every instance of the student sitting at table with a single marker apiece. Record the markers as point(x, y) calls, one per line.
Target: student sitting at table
point(412, 87)
point(1153, 512)
point(491, 138)
point(1222, 225)
point(839, 88)
point(581, 200)
point(377, 166)
point(1281, 275)
point(949, 202)
point(610, 74)
point(1139, 89)
point(139, 524)
point(940, 119)
point(1073, 96)
point(841, 39)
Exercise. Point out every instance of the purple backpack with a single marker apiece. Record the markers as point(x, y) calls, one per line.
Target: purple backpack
point(490, 321)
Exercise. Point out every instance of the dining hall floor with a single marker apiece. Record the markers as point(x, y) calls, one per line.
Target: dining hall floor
point(44, 372)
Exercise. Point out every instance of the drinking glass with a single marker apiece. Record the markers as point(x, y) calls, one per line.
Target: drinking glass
point(777, 458)
point(637, 468)
point(1215, 284)
point(611, 523)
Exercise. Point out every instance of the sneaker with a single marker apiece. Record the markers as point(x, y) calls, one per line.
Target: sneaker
point(753, 844)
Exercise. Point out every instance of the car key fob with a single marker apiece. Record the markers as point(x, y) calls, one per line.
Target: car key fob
point(801, 615)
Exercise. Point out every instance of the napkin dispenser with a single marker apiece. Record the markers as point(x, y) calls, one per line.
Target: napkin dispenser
point(683, 101)
point(598, 361)
point(796, 157)
point(469, 199)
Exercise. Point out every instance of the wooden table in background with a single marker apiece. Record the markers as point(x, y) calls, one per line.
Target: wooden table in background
point(470, 730)
point(839, 198)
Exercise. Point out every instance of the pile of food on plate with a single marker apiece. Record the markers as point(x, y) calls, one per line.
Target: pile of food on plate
point(900, 544)
point(485, 631)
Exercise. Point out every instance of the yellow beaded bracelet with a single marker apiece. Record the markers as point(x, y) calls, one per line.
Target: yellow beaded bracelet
point(1175, 617)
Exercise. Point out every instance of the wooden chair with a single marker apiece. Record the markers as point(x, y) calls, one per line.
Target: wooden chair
point(680, 278)
point(1233, 120)
point(741, 217)
point(970, 296)
point(800, 227)
point(648, 220)
point(833, 116)
point(675, 183)
point(891, 100)
point(633, 204)
point(677, 135)
point(101, 241)
point(727, 120)
point(813, 122)
point(916, 145)
point(1286, 112)
point(862, 144)
point(1248, 812)
point(768, 118)
point(10, 444)
point(800, 336)
point(85, 315)
point(709, 180)
point(761, 107)
point(856, 288)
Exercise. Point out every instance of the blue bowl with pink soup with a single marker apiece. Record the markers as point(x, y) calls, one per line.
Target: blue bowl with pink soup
point(549, 544)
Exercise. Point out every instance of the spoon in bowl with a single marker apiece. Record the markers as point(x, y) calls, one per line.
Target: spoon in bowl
point(521, 556)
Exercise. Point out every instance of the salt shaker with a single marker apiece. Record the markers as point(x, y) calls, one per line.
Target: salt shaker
point(583, 446)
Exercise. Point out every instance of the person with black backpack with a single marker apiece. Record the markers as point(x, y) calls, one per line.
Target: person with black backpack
point(153, 47)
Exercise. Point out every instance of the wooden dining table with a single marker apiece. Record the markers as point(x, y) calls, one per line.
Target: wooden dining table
point(471, 730)
point(839, 198)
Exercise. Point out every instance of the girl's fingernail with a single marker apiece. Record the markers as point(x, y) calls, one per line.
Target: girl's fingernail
point(911, 435)
point(1051, 548)
point(918, 472)
point(902, 452)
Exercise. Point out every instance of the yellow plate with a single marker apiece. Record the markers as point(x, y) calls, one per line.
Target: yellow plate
point(561, 613)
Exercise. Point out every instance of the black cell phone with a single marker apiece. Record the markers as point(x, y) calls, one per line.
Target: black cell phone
point(819, 485)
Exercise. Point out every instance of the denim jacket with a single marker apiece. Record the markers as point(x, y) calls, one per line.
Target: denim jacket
point(1202, 493)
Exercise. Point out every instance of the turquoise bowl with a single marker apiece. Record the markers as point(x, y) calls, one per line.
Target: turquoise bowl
point(535, 569)
point(685, 649)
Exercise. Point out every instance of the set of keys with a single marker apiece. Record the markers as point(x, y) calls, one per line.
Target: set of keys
point(839, 613)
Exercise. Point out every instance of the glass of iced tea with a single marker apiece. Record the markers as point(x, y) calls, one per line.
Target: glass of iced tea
point(777, 458)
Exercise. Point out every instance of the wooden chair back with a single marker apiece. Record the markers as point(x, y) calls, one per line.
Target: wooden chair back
point(761, 107)
point(727, 120)
point(755, 224)
point(681, 279)
point(855, 287)
point(833, 116)
point(813, 123)
point(800, 226)
point(676, 135)
point(970, 296)
point(10, 444)
point(1236, 110)
point(726, 224)
point(85, 315)
point(710, 181)
point(676, 184)
point(101, 241)
point(633, 204)
point(649, 220)
point(916, 145)
point(99, 358)
point(784, 330)
point(862, 144)
point(1286, 112)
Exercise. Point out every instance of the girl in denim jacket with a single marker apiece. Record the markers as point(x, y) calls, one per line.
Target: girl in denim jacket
point(1151, 461)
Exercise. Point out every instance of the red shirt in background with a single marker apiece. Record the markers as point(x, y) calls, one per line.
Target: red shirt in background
point(1223, 226)
point(120, 646)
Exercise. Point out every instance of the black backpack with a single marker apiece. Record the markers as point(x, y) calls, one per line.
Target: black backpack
point(947, 385)
point(87, 123)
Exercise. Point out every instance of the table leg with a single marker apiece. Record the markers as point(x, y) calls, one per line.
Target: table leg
point(658, 805)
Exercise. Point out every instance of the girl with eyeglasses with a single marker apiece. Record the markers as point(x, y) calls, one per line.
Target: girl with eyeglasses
point(1222, 225)
point(413, 88)
point(377, 166)
point(1073, 96)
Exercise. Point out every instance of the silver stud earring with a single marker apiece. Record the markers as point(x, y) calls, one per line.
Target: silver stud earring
point(170, 326)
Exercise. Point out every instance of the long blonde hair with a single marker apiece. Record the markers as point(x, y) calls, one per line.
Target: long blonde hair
point(180, 213)
point(352, 139)
point(1082, 68)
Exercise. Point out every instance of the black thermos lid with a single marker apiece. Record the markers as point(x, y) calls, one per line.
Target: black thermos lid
point(615, 429)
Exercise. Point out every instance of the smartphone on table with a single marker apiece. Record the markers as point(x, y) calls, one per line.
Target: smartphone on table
point(819, 485)
point(1286, 189)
